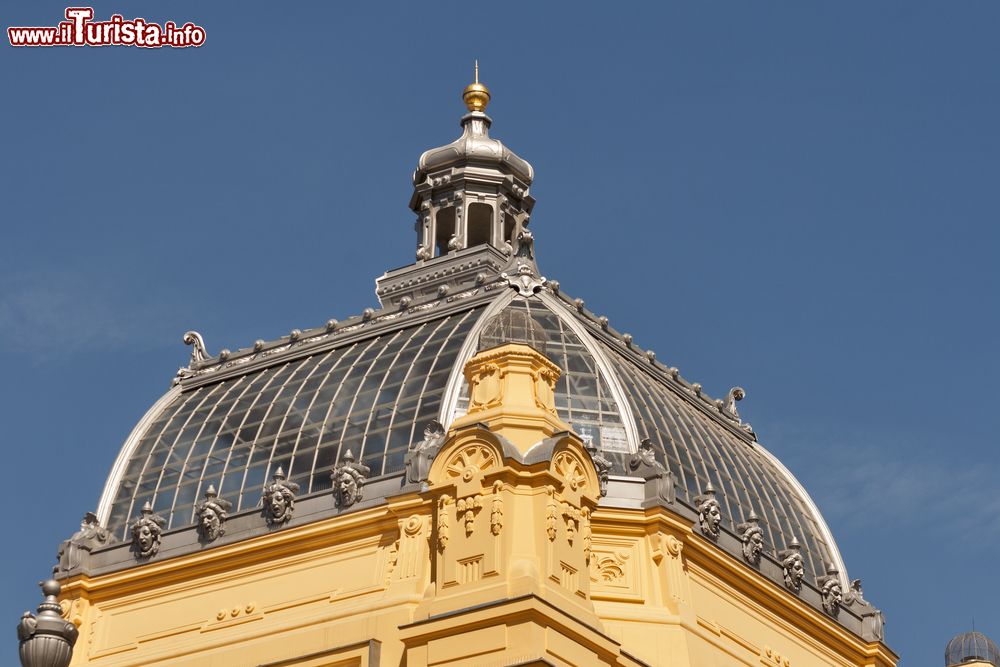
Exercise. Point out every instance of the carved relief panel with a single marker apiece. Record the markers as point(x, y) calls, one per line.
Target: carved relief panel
point(468, 522)
point(615, 570)
point(568, 506)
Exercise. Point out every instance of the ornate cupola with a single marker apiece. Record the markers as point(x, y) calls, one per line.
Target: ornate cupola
point(474, 191)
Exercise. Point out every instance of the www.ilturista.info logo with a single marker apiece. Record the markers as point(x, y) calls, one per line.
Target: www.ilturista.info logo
point(79, 29)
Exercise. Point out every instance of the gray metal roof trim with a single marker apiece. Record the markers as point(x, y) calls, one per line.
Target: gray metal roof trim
point(615, 342)
point(318, 339)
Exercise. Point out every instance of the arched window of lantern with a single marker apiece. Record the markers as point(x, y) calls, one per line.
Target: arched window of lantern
point(444, 229)
point(508, 227)
point(480, 224)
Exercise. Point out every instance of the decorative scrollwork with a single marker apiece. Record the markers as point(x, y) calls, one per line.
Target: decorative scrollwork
point(673, 545)
point(729, 405)
point(608, 567)
point(197, 343)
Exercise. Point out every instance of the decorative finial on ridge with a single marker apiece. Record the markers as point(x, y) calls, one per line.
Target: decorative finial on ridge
point(476, 95)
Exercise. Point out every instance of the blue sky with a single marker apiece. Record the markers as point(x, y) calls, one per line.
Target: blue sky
point(796, 197)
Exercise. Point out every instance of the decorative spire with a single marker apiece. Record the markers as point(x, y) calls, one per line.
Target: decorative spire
point(476, 95)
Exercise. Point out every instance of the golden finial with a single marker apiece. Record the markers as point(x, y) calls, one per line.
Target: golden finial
point(476, 95)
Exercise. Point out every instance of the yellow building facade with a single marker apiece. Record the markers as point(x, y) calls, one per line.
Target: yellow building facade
point(571, 500)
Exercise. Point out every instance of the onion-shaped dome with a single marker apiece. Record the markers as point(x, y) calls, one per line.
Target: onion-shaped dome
point(475, 145)
point(971, 647)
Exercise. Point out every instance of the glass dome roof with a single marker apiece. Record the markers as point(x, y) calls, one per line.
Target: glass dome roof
point(373, 389)
point(371, 396)
point(971, 647)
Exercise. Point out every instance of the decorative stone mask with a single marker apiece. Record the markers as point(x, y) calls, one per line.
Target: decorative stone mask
point(212, 514)
point(753, 539)
point(792, 567)
point(348, 479)
point(831, 590)
point(279, 499)
point(147, 531)
point(709, 513)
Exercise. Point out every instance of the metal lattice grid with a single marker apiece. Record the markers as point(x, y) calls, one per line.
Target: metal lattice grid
point(368, 396)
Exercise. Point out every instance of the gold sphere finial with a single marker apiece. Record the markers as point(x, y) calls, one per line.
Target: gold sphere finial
point(476, 95)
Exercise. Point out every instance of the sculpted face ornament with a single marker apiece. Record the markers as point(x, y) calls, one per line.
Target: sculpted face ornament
point(752, 537)
point(831, 590)
point(348, 479)
point(709, 513)
point(212, 514)
point(147, 531)
point(792, 567)
point(279, 499)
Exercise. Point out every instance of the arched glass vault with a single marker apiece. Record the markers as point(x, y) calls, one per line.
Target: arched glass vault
point(373, 394)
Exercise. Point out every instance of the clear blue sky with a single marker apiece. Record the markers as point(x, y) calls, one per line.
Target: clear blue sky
point(797, 197)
